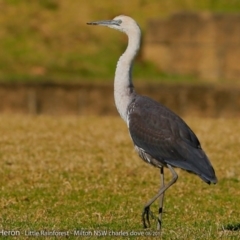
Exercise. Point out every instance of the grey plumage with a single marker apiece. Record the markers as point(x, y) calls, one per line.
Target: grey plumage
point(166, 138)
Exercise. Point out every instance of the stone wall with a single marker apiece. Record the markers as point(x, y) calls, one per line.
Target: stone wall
point(204, 45)
point(210, 100)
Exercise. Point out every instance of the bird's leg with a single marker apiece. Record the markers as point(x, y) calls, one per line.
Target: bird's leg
point(160, 211)
point(146, 209)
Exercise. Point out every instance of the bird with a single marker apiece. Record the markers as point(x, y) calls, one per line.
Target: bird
point(160, 137)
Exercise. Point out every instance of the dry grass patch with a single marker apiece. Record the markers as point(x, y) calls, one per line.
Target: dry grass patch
point(73, 173)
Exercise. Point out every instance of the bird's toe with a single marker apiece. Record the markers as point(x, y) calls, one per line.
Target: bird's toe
point(145, 217)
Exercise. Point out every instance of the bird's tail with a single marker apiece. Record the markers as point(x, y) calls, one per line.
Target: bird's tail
point(196, 161)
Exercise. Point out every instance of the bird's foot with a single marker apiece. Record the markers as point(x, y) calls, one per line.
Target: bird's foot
point(145, 217)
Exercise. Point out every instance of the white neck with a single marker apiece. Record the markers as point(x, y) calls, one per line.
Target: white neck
point(123, 87)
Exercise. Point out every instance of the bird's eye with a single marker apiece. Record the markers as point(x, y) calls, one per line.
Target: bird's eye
point(119, 21)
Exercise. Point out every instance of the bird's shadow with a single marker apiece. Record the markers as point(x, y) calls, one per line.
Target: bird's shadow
point(232, 227)
point(230, 230)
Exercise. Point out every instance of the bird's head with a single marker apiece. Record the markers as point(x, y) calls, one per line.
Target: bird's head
point(122, 23)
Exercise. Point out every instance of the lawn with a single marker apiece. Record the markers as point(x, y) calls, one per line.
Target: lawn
point(49, 39)
point(81, 174)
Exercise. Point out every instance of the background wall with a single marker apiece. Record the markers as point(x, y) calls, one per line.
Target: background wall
point(205, 45)
point(97, 99)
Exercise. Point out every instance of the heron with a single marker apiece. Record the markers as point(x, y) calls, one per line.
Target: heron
point(160, 137)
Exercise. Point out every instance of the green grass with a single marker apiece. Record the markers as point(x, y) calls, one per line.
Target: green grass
point(50, 38)
point(81, 173)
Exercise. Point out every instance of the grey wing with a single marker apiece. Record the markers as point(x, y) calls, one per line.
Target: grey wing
point(167, 138)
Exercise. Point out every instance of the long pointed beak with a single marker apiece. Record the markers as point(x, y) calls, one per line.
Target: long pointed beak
point(106, 22)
